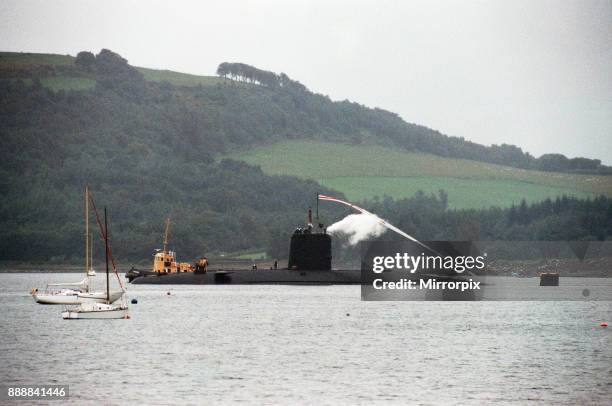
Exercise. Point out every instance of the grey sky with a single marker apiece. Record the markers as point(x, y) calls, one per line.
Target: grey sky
point(537, 74)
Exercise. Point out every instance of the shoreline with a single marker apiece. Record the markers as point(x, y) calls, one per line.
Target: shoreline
point(25, 267)
point(493, 274)
point(592, 268)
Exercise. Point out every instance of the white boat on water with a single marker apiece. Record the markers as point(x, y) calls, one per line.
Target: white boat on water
point(96, 311)
point(106, 310)
point(55, 296)
point(58, 296)
point(77, 292)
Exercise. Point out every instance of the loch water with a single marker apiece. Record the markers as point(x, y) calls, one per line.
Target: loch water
point(306, 345)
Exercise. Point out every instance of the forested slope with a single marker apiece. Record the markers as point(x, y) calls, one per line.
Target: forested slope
point(148, 145)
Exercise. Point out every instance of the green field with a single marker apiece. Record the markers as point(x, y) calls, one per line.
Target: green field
point(20, 60)
point(362, 172)
point(252, 254)
point(26, 58)
point(56, 83)
point(179, 79)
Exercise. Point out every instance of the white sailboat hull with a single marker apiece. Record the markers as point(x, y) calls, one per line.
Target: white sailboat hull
point(56, 299)
point(107, 314)
point(96, 311)
point(74, 298)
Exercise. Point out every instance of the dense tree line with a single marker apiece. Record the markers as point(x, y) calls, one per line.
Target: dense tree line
point(247, 73)
point(563, 218)
point(427, 218)
point(151, 150)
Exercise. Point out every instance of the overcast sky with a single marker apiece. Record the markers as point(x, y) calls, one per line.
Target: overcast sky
point(537, 74)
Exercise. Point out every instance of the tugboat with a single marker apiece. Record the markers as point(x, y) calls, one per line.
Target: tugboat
point(164, 262)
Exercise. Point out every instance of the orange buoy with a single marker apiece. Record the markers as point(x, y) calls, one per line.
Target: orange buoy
point(603, 324)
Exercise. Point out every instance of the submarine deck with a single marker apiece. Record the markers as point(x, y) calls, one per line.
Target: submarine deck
point(260, 276)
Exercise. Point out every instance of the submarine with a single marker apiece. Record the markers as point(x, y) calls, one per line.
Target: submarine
point(310, 263)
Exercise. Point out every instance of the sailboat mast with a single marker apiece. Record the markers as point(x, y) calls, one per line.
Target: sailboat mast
point(106, 255)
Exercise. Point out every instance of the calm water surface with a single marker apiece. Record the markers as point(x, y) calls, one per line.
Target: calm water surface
point(297, 345)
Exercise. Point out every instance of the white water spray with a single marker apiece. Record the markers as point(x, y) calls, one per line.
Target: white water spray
point(359, 234)
point(358, 227)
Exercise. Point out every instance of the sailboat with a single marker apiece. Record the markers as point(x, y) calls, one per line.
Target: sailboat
point(75, 292)
point(104, 310)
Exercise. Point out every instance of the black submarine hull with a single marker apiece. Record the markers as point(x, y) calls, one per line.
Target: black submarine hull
point(276, 277)
point(261, 276)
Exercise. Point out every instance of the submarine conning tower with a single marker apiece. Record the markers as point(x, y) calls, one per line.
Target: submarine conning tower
point(310, 250)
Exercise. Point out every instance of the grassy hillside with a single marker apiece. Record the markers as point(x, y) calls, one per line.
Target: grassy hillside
point(179, 79)
point(287, 108)
point(55, 72)
point(57, 83)
point(29, 59)
point(150, 150)
point(63, 79)
point(363, 172)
